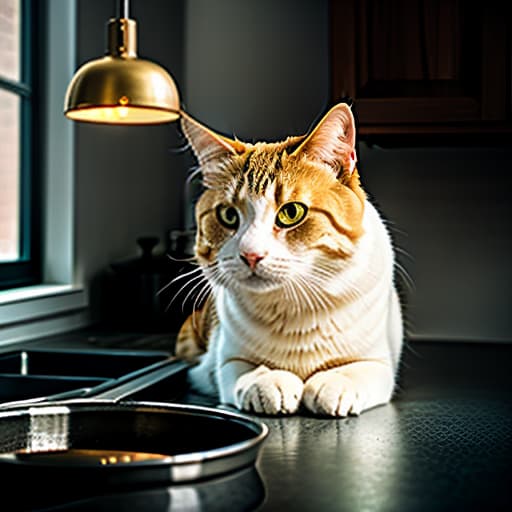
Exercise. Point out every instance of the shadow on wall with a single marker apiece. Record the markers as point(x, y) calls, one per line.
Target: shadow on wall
point(450, 210)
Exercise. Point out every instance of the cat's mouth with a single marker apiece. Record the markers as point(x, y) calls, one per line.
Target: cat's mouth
point(257, 282)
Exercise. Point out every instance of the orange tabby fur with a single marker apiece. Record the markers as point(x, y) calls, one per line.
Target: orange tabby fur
point(316, 321)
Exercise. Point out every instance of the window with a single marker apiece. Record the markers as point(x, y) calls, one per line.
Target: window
point(19, 251)
point(35, 302)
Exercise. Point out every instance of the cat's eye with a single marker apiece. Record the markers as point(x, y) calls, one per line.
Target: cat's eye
point(290, 214)
point(228, 216)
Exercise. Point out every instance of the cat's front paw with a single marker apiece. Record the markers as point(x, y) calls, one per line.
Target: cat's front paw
point(331, 393)
point(268, 391)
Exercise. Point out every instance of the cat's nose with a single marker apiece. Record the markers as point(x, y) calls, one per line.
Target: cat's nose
point(251, 259)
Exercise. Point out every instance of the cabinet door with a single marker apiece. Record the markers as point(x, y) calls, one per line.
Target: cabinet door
point(423, 66)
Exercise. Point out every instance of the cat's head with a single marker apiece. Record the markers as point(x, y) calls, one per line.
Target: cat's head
point(277, 215)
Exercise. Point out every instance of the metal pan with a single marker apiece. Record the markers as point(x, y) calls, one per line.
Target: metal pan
point(108, 442)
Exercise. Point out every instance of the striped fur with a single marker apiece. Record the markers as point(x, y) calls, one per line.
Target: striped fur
point(301, 316)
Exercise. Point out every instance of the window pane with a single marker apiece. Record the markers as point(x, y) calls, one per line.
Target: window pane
point(9, 176)
point(10, 36)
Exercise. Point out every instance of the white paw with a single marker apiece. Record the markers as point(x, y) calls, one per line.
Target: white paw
point(333, 394)
point(268, 391)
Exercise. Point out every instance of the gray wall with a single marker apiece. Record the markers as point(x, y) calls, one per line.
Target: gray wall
point(256, 69)
point(259, 70)
point(450, 209)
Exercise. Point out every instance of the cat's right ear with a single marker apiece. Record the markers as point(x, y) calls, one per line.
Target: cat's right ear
point(332, 141)
point(207, 145)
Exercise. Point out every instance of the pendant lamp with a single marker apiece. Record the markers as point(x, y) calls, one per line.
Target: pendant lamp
point(120, 88)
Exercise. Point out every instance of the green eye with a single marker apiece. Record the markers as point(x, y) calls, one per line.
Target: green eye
point(291, 214)
point(228, 216)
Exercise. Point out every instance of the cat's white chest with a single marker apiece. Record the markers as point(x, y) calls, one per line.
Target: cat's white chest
point(303, 347)
point(304, 341)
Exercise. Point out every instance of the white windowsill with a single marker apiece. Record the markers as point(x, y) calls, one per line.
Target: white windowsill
point(34, 292)
point(32, 302)
point(36, 311)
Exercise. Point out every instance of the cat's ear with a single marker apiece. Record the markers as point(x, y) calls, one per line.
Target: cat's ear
point(333, 140)
point(207, 145)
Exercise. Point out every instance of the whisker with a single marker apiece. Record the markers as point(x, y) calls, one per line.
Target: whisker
point(395, 229)
point(202, 296)
point(301, 292)
point(317, 290)
point(187, 274)
point(306, 294)
point(199, 298)
point(180, 149)
point(177, 278)
point(292, 296)
point(316, 294)
point(193, 173)
point(190, 259)
point(406, 276)
point(190, 293)
point(182, 289)
point(224, 279)
point(400, 250)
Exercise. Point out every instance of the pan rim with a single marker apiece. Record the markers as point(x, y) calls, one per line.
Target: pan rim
point(259, 428)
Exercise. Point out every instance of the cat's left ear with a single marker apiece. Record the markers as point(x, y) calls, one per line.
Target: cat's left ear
point(333, 140)
point(207, 145)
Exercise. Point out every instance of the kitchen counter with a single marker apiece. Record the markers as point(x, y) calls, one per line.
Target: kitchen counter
point(444, 443)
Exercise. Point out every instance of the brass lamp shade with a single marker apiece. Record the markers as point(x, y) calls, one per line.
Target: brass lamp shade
point(121, 88)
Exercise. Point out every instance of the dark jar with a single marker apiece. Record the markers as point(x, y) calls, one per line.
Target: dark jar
point(144, 292)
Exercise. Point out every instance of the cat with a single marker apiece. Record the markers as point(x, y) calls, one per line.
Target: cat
point(303, 310)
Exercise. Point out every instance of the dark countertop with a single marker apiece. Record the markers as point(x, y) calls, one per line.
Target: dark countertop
point(444, 443)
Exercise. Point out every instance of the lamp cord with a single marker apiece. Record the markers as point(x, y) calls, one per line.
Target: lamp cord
point(123, 9)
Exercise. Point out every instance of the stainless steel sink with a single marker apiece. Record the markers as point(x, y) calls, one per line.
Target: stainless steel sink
point(27, 374)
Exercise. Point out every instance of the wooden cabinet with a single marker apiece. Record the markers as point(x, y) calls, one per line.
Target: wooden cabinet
point(424, 68)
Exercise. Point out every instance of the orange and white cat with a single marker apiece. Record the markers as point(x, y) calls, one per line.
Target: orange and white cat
point(303, 310)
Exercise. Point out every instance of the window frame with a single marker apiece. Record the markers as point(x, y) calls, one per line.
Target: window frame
point(27, 270)
point(60, 303)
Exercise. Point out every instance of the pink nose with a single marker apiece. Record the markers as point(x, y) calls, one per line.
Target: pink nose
point(251, 259)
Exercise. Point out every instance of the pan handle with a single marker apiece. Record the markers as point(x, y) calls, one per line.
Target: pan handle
point(119, 392)
point(114, 391)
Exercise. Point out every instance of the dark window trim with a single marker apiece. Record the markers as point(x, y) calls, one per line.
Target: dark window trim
point(28, 269)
